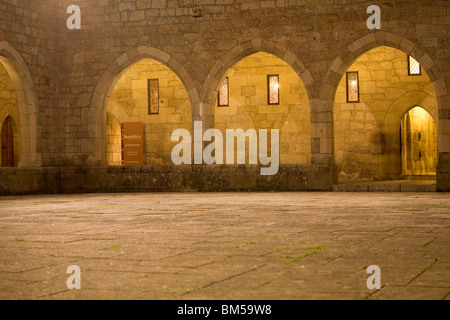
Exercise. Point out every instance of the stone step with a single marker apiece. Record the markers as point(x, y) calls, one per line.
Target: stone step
point(384, 187)
point(423, 177)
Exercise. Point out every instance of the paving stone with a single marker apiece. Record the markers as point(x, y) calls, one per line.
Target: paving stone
point(248, 246)
point(409, 293)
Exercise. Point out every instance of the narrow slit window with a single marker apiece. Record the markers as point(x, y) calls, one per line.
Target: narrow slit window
point(153, 96)
point(273, 88)
point(352, 87)
point(224, 94)
point(414, 68)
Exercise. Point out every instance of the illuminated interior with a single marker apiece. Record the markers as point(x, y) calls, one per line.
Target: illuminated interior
point(419, 143)
point(367, 143)
point(266, 93)
point(133, 101)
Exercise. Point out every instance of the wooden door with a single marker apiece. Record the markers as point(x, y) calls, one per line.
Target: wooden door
point(7, 144)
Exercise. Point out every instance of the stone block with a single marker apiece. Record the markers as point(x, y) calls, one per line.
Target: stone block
point(71, 182)
point(443, 180)
point(351, 187)
point(320, 181)
point(385, 187)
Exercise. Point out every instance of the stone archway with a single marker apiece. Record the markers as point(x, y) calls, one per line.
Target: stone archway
point(218, 71)
point(394, 118)
point(97, 146)
point(249, 107)
point(341, 64)
point(30, 155)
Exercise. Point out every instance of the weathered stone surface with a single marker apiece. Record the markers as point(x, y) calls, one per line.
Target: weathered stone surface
point(165, 178)
point(68, 75)
point(263, 246)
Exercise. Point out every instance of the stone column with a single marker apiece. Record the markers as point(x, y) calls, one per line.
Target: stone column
point(322, 174)
point(443, 167)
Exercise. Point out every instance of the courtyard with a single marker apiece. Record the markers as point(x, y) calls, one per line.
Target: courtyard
point(255, 246)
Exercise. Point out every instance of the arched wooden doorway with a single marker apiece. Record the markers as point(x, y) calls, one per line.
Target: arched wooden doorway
point(7, 141)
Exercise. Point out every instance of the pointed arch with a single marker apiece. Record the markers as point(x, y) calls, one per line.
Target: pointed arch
point(408, 101)
point(96, 121)
point(341, 63)
point(30, 155)
point(349, 55)
point(250, 108)
point(241, 51)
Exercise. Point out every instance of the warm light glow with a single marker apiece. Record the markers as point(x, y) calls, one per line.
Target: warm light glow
point(274, 93)
point(419, 114)
point(352, 87)
point(419, 144)
point(414, 66)
point(153, 96)
point(224, 93)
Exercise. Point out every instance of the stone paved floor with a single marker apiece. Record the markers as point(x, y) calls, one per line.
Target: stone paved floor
point(226, 245)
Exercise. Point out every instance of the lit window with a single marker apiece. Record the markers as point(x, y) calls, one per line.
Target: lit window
point(352, 87)
point(224, 94)
point(273, 87)
point(413, 67)
point(153, 96)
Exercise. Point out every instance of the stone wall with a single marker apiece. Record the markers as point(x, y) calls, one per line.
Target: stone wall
point(307, 36)
point(248, 107)
point(68, 75)
point(129, 103)
point(163, 178)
